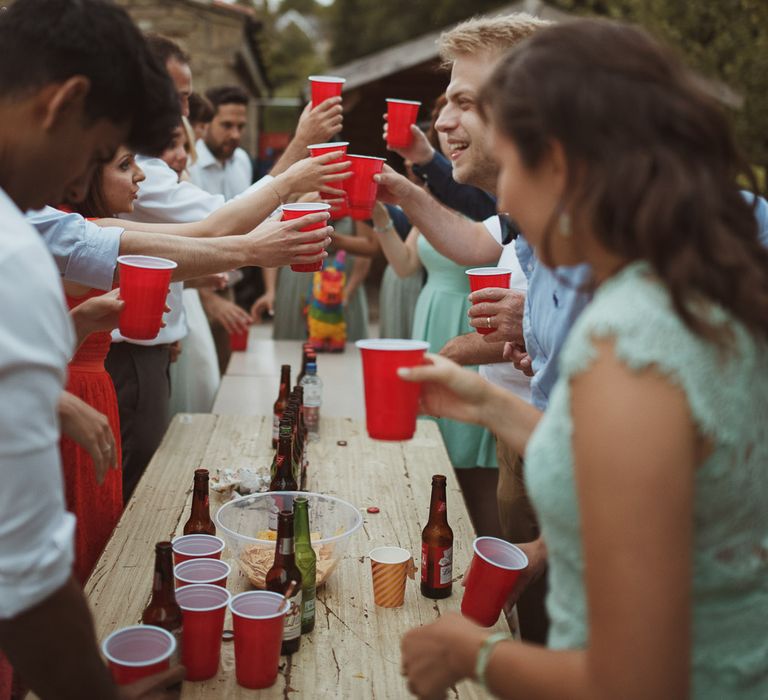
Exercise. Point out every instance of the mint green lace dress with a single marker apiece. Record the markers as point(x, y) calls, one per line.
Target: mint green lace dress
point(728, 399)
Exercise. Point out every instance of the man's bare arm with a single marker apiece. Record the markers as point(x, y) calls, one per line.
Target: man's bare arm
point(57, 634)
point(471, 349)
point(453, 235)
point(273, 244)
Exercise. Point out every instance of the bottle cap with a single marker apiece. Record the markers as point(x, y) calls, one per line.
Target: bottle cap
point(311, 367)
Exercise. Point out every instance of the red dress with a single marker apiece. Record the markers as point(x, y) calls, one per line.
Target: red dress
point(96, 507)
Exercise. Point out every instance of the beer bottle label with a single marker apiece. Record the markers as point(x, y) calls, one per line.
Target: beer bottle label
point(286, 545)
point(275, 427)
point(308, 612)
point(436, 565)
point(292, 624)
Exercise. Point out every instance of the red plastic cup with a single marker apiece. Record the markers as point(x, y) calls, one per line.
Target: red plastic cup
point(319, 149)
point(196, 547)
point(205, 570)
point(361, 188)
point(203, 608)
point(401, 115)
point(296, 211)
point(144, 284)
point(238, 342)
point(257, 618)
point(485, 277)
point(495, 567)
point(391, 404)
point(136, 652)
point(323, 87)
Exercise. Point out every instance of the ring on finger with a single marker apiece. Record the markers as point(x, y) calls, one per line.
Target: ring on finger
point(488, 321)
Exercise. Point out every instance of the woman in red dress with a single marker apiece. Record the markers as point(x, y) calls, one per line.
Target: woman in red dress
point(96, 503)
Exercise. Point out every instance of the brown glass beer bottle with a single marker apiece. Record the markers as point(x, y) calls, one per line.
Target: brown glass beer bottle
point(163, 610)
point(282, 466)
point(200, 522)
point(282, 401)
point(437, 545)
point(279, 577)
point(306, 349)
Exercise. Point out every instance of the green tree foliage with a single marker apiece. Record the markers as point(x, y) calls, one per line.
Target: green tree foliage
point(360, 27)
point(724, 39)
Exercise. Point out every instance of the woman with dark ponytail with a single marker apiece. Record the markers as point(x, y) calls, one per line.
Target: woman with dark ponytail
point(649, 469)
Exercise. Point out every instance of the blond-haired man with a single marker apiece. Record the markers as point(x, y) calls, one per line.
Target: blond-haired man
point(472, 49)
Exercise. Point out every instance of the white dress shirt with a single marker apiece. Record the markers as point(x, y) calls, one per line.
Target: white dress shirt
point(36, 342)
point(163, 199)
point(84, 252)
point(228, 179)
point(505, 374)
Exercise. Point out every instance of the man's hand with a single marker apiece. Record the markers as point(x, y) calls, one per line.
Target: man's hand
point(89, 429)
point(516, 354)
point(419, 152)
point(504, 308)
point(471, 349)
point(100, 313)
point(265, 303)
point(321, 124)
point(318, 174)
point(174, 350)
point(279, 243)
point(393, 187)
point(225, 312)
point(165, 685)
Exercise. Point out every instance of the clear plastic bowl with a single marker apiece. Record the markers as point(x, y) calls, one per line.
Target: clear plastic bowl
point(248, 525)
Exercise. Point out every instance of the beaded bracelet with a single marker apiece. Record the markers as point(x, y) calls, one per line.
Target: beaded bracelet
point(484, 656)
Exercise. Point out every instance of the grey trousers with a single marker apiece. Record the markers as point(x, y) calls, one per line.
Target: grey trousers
point(143, 387)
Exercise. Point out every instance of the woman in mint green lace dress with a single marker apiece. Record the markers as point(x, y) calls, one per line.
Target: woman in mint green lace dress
point(649, 469)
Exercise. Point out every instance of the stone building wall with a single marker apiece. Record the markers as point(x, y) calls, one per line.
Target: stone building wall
point(211, 34)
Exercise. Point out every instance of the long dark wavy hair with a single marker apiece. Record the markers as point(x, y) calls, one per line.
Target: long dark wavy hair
point(652, 164)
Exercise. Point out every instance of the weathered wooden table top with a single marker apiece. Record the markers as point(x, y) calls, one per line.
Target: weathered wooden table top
point(354, 650)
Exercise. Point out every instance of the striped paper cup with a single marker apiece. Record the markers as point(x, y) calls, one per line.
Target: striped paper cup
point(389, 568)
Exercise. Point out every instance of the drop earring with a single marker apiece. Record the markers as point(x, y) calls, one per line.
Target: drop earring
point(564, 225)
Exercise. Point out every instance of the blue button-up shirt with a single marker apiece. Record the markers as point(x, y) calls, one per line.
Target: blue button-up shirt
point(84, 252)
point(553, 303)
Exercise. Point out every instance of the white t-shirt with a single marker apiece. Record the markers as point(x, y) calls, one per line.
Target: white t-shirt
point(36, 342)
point(228, 179)
point(504, 374)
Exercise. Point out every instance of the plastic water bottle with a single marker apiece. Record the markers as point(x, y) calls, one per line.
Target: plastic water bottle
point(313, 397)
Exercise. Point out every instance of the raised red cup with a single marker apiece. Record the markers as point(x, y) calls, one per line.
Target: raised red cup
point(495, 567)
point(296, 211)
point(203, 608)
point(488, 277)
point(238, 342)
point(323, 87)
point(401, 115)
point(204, 570)
point(144, 284)
point(361, 188)
point(320, 149)
point(391, 404)
point(257, 618)
point(136, 652)
point(188, 547)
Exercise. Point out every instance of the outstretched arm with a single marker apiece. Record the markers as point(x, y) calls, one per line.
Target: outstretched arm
point(454, 236)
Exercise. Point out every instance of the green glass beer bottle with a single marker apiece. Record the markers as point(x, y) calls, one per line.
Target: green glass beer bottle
point(306, 560)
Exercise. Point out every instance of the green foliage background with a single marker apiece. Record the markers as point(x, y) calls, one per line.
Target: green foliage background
point(723, 39)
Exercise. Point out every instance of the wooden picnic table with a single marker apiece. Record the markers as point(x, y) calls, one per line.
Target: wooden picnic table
point(249, 388)
point(354, 650)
